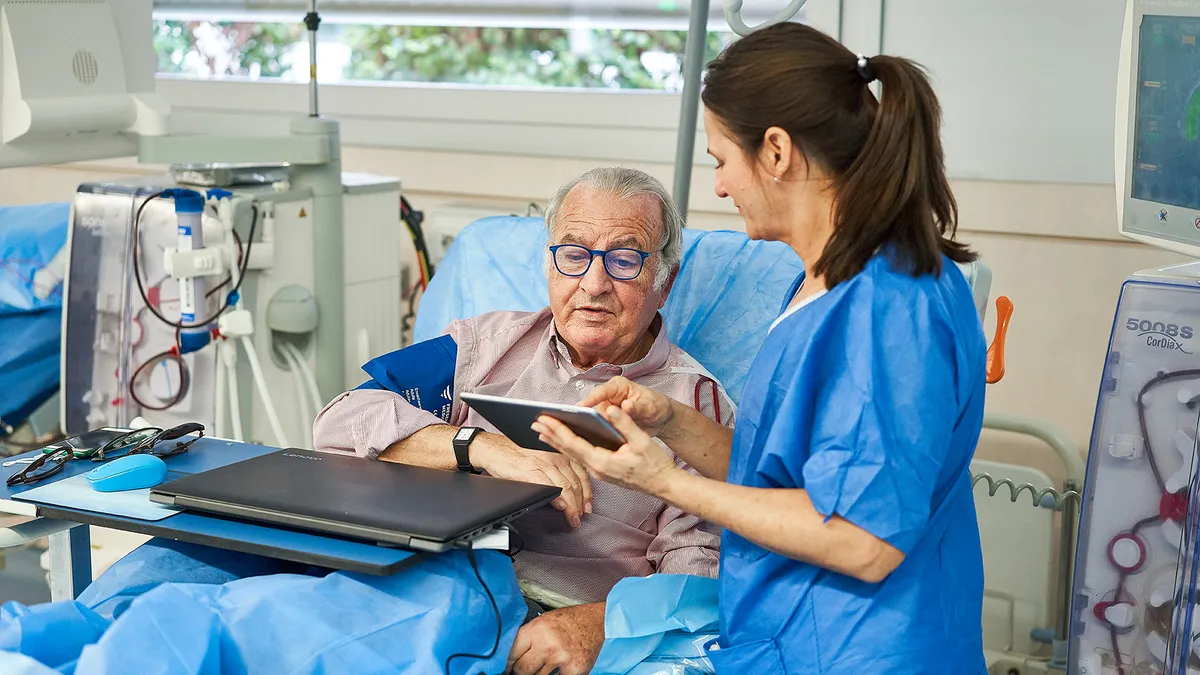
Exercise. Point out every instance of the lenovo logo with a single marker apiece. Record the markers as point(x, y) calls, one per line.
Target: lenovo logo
point(292, 454)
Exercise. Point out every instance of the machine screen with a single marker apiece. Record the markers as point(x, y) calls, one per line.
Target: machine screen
point(1167, 142)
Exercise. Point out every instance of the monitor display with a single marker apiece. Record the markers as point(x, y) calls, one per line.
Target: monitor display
point(1166, 162)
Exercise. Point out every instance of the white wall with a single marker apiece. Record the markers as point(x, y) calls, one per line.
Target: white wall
point(1028, 86)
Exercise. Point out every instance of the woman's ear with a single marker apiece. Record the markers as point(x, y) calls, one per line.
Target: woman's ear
point(777, 152)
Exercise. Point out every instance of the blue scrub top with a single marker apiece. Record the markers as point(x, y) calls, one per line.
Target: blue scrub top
point(870, 399)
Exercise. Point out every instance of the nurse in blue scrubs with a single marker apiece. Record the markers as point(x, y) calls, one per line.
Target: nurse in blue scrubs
point(850, 540)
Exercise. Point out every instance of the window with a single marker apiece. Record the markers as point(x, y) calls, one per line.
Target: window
point(610, 58)
point(578, 79)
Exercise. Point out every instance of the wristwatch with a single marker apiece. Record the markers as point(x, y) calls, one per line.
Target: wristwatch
point(462, 446)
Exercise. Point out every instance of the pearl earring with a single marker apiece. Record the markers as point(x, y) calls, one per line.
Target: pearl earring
point(776, 179)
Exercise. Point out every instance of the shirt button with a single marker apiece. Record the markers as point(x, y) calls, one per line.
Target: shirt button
point(580, 385)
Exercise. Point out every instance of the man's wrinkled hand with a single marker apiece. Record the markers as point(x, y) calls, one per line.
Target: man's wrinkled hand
point(502, 458)
point(568, 639)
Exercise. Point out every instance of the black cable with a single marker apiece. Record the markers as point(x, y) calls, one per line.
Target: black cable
point(520, 546)
point(184, 380)
point(413, 219)
point(1141, 411)
point(137, 271)
point(495, 609)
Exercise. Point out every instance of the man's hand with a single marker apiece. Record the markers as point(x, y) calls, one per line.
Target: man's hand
point(568, 639)
point(502, 458)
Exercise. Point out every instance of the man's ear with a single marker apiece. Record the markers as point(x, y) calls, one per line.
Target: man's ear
point(666, 291)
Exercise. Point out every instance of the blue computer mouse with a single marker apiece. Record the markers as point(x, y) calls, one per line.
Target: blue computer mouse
point(132, 472)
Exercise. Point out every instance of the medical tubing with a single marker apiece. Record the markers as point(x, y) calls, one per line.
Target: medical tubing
point(1141, 412)
point(307, 379)
point(302, 399)
point(184, 380)
point(260, 381)
point(1117, 595)
point(413, 219)
point(1161, 378)
point(716, 397)
point(235, 405)
point(219, 413)
point(141, 285)
point(470, 548)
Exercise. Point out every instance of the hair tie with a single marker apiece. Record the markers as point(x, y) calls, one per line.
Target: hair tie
point(864, 69)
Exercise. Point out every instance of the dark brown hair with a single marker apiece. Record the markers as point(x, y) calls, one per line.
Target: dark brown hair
point(884, 156)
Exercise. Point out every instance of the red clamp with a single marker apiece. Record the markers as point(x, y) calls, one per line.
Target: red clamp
point(1173, 506)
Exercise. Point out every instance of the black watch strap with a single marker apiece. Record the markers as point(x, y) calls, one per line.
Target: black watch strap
point(462, 448)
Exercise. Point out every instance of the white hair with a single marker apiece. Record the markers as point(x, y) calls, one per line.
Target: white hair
point(624, 184)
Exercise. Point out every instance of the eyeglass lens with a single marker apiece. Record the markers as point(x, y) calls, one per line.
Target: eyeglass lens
point(122, 445)
point(153, 445)
point(620, 263)
point(44, 466)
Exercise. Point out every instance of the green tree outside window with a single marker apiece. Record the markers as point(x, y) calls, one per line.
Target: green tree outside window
point(526, 57)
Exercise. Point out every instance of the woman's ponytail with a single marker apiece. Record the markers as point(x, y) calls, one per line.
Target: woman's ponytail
point(884, 156)
point(896, 191)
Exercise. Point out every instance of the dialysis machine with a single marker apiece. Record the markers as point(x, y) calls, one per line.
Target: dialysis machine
point(244, 290)
point(1136, 606)
point(251, 375)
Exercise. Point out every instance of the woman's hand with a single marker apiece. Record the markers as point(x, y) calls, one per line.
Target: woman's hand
point(649, 409)
point(640, 464)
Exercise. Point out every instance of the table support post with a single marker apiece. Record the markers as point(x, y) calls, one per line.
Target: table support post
point(70, 563)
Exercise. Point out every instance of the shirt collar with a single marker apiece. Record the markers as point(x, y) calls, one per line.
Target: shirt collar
point(653, 360)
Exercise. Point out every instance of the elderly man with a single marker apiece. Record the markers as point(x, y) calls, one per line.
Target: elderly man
point(615, 248)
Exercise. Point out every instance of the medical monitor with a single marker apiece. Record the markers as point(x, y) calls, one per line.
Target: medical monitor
point(76, 80)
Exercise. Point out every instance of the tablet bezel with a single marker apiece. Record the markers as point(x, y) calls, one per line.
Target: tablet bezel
point(513, 417)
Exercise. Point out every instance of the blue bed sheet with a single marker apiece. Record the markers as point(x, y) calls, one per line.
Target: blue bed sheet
point(31, 239)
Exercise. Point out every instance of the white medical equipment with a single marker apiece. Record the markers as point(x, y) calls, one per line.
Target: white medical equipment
point(76, 80)
point(118, 358)
point(78, 83)
point(1136, 575)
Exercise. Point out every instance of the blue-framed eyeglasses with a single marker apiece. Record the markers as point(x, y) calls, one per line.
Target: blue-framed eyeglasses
point(623, 264)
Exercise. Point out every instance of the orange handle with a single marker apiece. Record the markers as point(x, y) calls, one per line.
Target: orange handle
point(995, 353)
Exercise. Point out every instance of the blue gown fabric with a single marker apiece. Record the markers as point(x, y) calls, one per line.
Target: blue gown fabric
point(871, 400)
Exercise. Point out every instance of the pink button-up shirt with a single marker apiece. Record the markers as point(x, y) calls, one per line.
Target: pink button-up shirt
point(519, 355)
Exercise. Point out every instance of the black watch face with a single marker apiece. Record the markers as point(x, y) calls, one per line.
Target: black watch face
point(463, 435)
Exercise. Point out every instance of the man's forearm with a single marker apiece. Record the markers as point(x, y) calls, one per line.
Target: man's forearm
point(432, 447)
point(699, 441)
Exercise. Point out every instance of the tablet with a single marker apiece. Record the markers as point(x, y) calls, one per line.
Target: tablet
point(513, 417)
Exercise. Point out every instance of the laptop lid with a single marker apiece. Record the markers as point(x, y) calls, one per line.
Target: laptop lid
point(350, 496)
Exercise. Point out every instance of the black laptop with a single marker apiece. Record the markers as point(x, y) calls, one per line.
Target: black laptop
point(407, 506)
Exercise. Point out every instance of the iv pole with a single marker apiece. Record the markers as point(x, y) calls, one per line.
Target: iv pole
point(693, 66)
point(313, 149)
